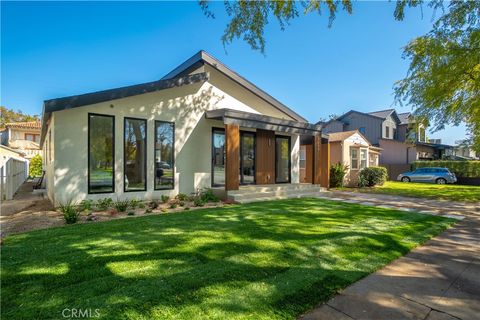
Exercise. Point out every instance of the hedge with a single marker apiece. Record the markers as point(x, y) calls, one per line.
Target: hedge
point(372, 176)
point(465, 169)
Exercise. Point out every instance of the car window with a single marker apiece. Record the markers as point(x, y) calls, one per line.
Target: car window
point(420, 171)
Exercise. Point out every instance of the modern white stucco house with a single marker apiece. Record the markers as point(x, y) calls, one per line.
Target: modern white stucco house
point(200, 126)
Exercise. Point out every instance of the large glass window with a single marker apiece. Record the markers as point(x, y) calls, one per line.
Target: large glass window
point(218, 157)
point(282, 159)
point(101, 148)
point(247, 158)
point(135, 154)
point(164, 155)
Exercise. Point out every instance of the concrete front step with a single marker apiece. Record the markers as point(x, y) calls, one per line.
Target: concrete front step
point(271, 192)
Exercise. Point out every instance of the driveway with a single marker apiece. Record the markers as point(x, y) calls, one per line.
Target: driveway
point(437, 281)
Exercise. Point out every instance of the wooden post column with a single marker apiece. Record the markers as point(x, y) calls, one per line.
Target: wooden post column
point(321, 161)
point(317, 163)
point(325, 163)
point(232, 156)
point(265, 157)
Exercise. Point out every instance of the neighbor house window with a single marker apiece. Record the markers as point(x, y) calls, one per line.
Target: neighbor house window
point(135, 154)
point(354, 158)
point(164, 155)
point(362, 130)
point(32, 137)
point(101, 157)
point(387, 132)
point(363, 158)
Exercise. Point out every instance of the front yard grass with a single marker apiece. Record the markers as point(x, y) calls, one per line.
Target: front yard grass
point(267, 260)
point(451, 192)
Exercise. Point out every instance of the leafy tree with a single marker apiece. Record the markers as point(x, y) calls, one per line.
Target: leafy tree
point(443, 80)
point(10, 115)
point(35, 168)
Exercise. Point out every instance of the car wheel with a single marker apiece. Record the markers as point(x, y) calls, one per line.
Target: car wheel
point(441, 181)
point(405, 179)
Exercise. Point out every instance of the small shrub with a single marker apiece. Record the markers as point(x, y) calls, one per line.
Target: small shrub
point(86, 205)
point(337, 174)
point(173, 205)
point(208, 196)
point(153, 204)
point(372, 176)
point(134, 203)
point(186, 208)
point(181, 203)
point(198, 202)
point(130, 213)
point(148, 210)
point(104, 204)
point(182, 197)
point(35, 166)
point(121, 205)
point(164, 210)
point(92, 217)
point(70, 212)
point(141, 205)
point(165, 198)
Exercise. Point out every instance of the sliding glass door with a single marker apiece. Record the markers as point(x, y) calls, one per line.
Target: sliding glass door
point(247, 158)
point(282, 159)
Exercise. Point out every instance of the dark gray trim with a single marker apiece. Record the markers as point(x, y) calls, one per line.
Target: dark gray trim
point(202, 57)
point(70, 102)
point(258, 121)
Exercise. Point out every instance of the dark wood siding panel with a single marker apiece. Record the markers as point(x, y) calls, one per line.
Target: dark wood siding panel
point(325, 163)
point(232, 158)
point(265, 157)
point(317, 159)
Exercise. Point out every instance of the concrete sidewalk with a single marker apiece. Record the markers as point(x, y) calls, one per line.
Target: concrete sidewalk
point(437, 281)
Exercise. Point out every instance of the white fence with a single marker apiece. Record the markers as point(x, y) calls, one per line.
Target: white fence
point(13, 173)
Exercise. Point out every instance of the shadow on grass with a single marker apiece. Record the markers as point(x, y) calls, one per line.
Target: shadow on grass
point(263, 260)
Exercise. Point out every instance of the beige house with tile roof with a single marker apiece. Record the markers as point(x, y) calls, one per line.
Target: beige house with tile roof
point(23, 137)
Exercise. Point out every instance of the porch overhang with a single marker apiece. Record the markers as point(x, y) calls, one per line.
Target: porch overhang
point(258, 121)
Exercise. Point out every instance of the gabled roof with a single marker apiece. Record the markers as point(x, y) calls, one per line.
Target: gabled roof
point(385, 113)
point(404, 117)
point(358, 112)
point(24, 125)
point(341, 136)
point(203, 57)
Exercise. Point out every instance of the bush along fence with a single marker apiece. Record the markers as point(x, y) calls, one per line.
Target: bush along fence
point(467, 172)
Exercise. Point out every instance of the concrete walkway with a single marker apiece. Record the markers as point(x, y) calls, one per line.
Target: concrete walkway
point(437, 281)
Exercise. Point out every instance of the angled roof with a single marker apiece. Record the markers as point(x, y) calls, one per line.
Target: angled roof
point(358, 112)
point(24, 125)
point(404, 117)
point(81, 100)
point(203, 57)
point(382, 113)
point(341, 136)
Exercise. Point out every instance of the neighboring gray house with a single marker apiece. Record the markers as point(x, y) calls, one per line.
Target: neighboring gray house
point(402, 141)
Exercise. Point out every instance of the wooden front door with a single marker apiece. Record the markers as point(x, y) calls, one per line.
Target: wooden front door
point(306, 163)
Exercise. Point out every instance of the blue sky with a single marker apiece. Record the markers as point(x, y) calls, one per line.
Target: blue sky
point(56, 49)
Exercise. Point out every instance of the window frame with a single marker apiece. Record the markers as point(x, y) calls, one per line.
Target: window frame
point(145, 154)
point(387, 132)
point(155, 149)
point(365, 150)
point(88, 152)
point(356, 158)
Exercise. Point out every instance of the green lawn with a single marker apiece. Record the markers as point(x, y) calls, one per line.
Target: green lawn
point(270, 260)
point(450, 192)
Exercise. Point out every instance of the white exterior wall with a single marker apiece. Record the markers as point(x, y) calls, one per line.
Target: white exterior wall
point(390, 123)
point(185, 106)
